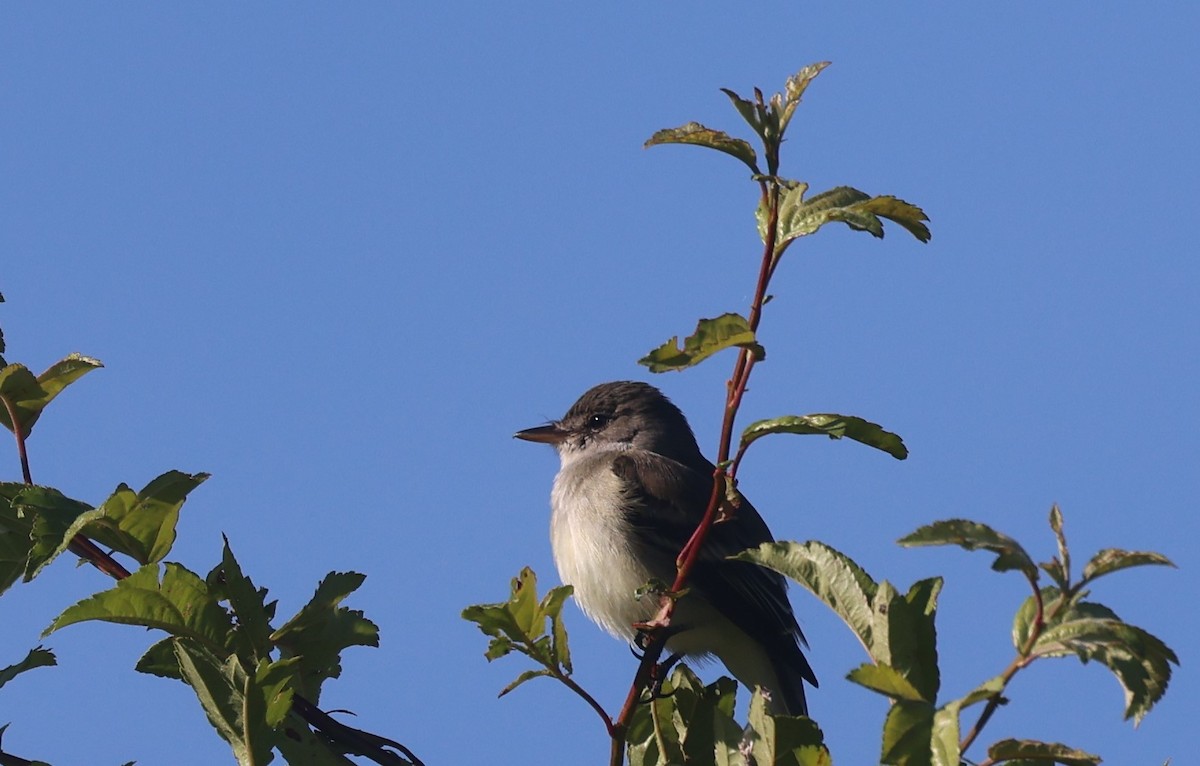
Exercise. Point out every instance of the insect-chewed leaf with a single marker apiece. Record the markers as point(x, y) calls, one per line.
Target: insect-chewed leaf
point(1031, 750)
point(696, 134)
point(972, 536)
point(322, 629)
point(831, 425)
point(711, 336)
point(229, 584)
point(1113, 559)
point(28, 396)
point(36, 658)
point(830, 575)
point(1140, 661)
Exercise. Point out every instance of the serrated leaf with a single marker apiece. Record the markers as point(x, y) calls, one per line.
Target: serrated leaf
point(1140, 661)
point(276, 682)
point(159, 660)
point(140, 524)
point(906, 734)
point(1111, 560)
point(1023, 621)
point(1054, 752)
point(322, 629)
point(833, 426)
point(886, 680)
point(898, 211)
point(711, 336)
point(28, 396)
point(181, 605)
point(36, 658)
point(794, 91)
point(799, 217)
point(697, 135)
point(828, 574)
point(228, 583)
point(230, 699)
point(972, 535)
point(52, 515)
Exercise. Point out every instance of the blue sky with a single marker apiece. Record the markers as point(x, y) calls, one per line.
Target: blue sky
point(337, 255)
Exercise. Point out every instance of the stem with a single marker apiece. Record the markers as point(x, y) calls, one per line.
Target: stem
point(1022, 659)
point(19, 432)
point(579, 690)
point(735, 389)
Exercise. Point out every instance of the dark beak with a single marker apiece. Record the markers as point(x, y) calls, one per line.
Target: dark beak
point(547, 434)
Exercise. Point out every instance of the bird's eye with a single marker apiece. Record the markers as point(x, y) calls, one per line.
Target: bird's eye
point(598, 420)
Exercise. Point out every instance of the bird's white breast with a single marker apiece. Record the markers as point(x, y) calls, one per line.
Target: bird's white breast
point(592, 542)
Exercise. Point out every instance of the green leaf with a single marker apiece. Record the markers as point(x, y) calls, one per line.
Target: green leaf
point(159, 660)
point(711, 336)
point(906, 734)
point(943, 737)
point(887, 681)
point(833, 426)
point(231, 700)
point(16, 541)
point(276, 682)
point(1023, 621)
point(794, 90)
point(551, 608)
point(1059, 568)
point(904, 636)
point(36, 658)
point(52, 515)
point(799, 217)
point(1113, 559)
point(181, 605)
point(253, 632)
point(141, 524)
point(696, 134)
point(897, 210)
point(1140, 661)
point(972, 535)
point(754, 115)
point(28, 396)
point(828, 574)
point(1032, 750)
point(322, 629)
point(527, 675)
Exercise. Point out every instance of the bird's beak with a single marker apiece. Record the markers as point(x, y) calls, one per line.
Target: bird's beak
point(547, 434)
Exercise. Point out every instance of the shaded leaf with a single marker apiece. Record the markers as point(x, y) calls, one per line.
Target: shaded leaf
point(527, 675)
point(181, 605)
point(833, 426)
point(904, 636)
point(944, 736)
point(829, 574)
point(711, 336)
point(886, 680)
point(52, 514)
point(696, 134)
point(159, 660)
point(230, 699)
point(253, 633)
point(276, 681)
point(906, 734)
point(1023, 621)
point(36, 658)
point(16, 539)
point(898, 211)
point(1032, 750)
point(28, 396)
point(972, 535)
point(322, 629)
point(1113, 559)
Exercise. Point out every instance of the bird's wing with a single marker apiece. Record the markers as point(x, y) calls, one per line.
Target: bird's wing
point(670, 502)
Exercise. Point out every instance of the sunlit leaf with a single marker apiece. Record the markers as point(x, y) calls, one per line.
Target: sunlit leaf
point(972, 536)
point(1034, 751)
point(833, 426)
point(1140, 661)
point(944, 736)
point(1113, 559)
point(799, 217)
point(711, 336)
point(696, 134)
point(794, 91)
point(886, 680)
point(181, 605)
point(28, 396)
point(141, 524)
point(1023, 621)
point(829, 574)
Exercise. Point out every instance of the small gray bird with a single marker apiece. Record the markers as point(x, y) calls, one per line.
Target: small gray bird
point(630, 492)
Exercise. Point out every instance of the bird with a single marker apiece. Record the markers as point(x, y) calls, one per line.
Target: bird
point(631, 489)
